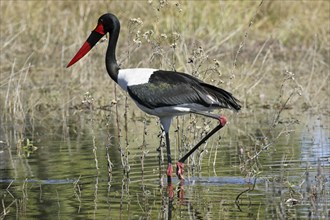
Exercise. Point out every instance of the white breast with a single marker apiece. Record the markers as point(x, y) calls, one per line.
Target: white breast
point(136, 76)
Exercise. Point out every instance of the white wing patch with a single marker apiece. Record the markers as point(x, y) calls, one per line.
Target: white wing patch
point(170, 111)
point(136, 76)
point(211, 98)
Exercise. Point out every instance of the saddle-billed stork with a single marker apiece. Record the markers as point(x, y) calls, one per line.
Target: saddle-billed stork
point(161, 93)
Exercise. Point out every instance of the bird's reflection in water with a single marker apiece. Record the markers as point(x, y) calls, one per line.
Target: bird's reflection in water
point(171, 194)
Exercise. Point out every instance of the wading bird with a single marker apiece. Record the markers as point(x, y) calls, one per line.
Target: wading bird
point(161, 93)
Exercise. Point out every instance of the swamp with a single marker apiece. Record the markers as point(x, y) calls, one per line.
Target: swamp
point(73, 145)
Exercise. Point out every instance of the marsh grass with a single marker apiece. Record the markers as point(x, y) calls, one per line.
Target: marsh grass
point(168, 35)
point(274, 57)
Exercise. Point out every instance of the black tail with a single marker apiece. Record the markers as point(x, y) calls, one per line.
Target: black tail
point(225, 98)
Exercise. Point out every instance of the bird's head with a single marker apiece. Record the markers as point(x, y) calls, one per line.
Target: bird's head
point(107, 23)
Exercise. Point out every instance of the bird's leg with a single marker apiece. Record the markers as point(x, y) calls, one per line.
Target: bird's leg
point(169, 159)
point(180, 163)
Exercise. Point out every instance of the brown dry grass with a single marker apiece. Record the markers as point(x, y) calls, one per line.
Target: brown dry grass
point(282, 64)
point(285, 52)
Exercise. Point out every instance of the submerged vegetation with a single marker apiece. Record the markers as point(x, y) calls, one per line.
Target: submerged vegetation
point(273, 56)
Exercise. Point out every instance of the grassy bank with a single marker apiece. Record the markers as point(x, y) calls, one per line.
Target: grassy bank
point(273, 56)
point(268, 55)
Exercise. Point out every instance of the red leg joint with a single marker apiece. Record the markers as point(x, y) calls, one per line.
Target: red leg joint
point(223, 120)
point(169, 170)
point(179, 170)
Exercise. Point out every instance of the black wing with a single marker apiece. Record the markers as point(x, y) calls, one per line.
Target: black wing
point(166, 88)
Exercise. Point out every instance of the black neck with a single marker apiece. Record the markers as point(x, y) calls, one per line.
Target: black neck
point(110, 59)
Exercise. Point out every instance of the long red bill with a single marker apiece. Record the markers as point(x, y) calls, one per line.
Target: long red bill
point(93, 38)
point(86, 47)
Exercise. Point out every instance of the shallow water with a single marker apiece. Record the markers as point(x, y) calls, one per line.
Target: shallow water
point(67, 176)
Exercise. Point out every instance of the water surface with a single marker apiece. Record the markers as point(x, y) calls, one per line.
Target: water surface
point(64, 172)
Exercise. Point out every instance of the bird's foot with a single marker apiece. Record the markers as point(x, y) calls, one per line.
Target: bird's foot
point(179, 170)
point(222, 120)
point(169, 170)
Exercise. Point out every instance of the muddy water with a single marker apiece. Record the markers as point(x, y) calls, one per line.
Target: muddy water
point(65, 174)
